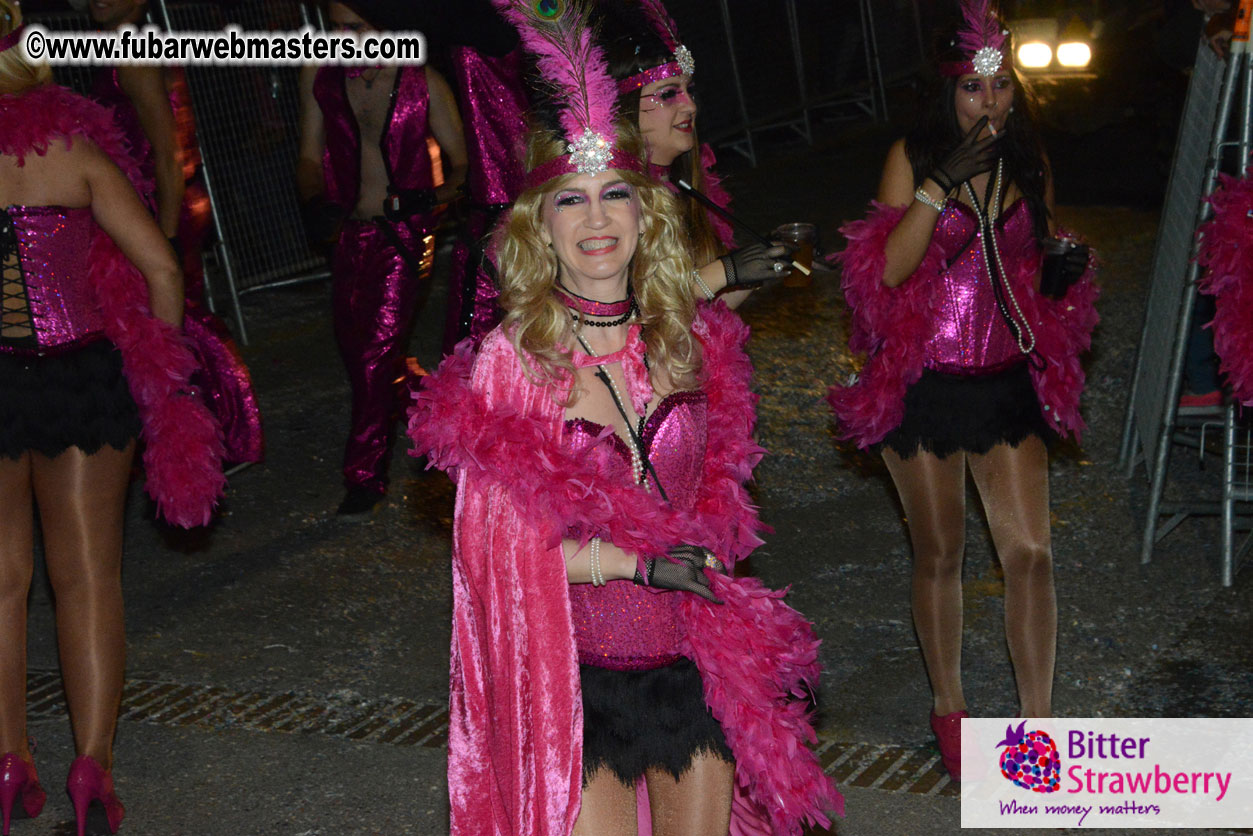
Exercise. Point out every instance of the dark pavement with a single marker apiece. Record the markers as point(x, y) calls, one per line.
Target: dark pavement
point(288, 672)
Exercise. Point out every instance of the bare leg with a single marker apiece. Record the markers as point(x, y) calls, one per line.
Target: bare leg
point(933, 493)
point(16, 565)
point(82, 500)
point(698, 804)
point(608, 807)
point(1013, 483)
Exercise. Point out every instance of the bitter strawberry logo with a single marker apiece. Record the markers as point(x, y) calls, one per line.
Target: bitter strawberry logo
point(1030, 759)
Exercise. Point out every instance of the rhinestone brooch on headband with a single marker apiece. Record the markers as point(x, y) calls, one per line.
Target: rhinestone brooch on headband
point(683, 57)
point(590, 153)
point(987, 61)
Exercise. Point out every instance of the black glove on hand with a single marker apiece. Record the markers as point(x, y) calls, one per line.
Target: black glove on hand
point(1064, 264)
point(971, 156)
point(687, 575)
point(322, 220)
point(753, 265)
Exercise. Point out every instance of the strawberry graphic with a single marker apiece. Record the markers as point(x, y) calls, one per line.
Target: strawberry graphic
point(1030, 759)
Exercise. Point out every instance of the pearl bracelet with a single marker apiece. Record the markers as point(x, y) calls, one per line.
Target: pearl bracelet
point(927, 200)
point(709, 294)
point(598, 577)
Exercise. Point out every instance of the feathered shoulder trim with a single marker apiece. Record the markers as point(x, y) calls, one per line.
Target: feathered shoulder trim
point(891, 324)
point(480, 413)
point(182, 441)
point(1224, 244)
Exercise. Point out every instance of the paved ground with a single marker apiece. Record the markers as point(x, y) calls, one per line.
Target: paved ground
point(287, 672)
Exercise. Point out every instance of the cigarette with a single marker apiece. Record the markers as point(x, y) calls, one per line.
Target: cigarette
point(801, 267)
point(992, 128)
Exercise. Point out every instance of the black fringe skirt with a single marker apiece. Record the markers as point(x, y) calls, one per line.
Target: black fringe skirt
point(945, 413)
point(76, 399)
point(639, 720)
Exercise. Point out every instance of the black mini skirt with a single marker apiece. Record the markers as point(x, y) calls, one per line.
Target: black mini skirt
point(634, 721)
point(75, 399)
point(945, 413)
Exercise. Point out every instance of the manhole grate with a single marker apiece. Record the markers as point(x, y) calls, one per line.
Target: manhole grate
point(402, 722)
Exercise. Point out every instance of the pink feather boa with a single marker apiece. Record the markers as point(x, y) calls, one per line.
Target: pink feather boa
point(755, 654)
point(714, 190)
point(890, 325)
point(182, 442)
point(1224, 242)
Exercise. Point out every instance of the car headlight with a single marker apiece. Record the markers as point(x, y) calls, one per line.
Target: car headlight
point(1074, 54)
point(1035, 54)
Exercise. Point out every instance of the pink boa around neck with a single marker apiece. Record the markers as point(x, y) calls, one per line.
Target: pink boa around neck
point(182, 442)
point(519, 489)
point(1224, 253)
point(890, 326)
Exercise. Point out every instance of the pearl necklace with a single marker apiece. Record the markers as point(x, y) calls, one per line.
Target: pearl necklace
point(986, 223)
point(636, 437)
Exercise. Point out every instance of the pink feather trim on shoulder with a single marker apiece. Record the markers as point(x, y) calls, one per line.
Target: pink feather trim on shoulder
point(182, 442)
point(755, 653)
point(1224, 253)
point(891, 325)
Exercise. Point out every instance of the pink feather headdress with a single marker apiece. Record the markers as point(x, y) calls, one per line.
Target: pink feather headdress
point(683, 63)
point(983, 39)
point(557, 33)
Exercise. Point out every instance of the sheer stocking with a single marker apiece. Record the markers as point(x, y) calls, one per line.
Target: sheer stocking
point(933, 494)
point(16, 565)
point(608, 807)
point(1014, 486)
point(82, 501)
point(698, 804)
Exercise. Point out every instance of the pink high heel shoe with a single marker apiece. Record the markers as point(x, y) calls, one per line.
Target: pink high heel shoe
point(19, 780)
point(948, 734)
point(96, 808)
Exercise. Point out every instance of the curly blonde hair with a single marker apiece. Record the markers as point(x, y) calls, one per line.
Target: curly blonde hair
point(17, 72)
point(540, 325)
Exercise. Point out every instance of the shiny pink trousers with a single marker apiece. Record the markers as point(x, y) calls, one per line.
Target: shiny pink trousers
point(375, 293)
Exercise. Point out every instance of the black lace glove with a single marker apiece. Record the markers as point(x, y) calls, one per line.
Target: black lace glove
point(686, 575)
point(1064, 264)
point(753, 265)
point(972, 156)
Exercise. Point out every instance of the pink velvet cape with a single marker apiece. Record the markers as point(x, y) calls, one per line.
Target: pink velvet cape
point(515, 733)
point(182, 442)
point(891, 324)
point(1224, 253)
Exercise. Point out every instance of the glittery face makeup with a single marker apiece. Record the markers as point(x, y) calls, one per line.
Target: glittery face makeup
point(978, 96)
point(593, 224)
point(667, 118)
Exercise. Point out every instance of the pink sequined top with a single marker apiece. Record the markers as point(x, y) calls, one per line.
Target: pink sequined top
point(622, 626)
point(969, 335)
point(53, 244)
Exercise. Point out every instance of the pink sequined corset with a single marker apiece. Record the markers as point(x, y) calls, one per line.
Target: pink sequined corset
point(969, 335)
point(620, 625)
point(52, 245)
